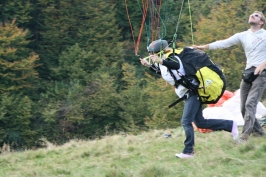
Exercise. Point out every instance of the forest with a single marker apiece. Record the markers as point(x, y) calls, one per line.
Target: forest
point(69, 68)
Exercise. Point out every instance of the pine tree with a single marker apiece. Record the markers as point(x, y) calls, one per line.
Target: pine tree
point(133, 102)
point(16, 10)
point(15, 122)
point(89, 23)
point(81, 101)
point(159, 96)
point(17, 61)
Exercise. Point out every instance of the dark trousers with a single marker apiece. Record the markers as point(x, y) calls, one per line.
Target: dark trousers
point(193, 113)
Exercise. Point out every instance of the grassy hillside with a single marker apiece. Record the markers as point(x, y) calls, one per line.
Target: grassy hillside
point(149, 154)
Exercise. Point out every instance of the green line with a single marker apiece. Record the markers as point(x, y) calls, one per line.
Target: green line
point(191, 27)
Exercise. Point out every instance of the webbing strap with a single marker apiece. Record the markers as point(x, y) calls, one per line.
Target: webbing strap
point(177, 101)
point(181, 81)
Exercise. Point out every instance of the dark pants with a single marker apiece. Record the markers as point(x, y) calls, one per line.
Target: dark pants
point(250, 95)
point(193, 113)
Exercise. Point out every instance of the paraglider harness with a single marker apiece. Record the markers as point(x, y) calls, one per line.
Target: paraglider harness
point(198, 65)
point(184, 79)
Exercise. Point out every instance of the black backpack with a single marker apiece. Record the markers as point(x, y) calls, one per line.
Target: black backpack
point(197, 64)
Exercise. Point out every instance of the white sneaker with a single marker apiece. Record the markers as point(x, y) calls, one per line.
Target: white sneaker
point(184, 156)
point(234, 130)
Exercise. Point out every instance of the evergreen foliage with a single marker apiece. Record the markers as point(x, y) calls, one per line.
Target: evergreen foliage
point(102, 108)
point(15, 9)
point(89, 23)
point(133, 101)
point(160, 96)
point(74, 64)
point(16, 60)
point(15, 118)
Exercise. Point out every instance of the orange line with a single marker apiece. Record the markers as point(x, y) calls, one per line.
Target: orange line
point(141, 27)
point(130, 23)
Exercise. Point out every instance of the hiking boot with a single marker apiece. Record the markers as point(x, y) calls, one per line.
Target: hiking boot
point(184, 156)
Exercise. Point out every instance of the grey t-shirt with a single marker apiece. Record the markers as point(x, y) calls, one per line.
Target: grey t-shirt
point(254, 45)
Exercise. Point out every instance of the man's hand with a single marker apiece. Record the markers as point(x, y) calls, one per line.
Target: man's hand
point(259, 69)
point(156, 59)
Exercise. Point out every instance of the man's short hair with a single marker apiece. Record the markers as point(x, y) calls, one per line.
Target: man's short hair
point(262, 17)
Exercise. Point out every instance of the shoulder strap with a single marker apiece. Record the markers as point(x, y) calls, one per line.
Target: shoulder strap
point(176, 51)
point(182, 81)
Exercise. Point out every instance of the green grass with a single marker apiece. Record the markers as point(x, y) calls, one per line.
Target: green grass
point(149, 154)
